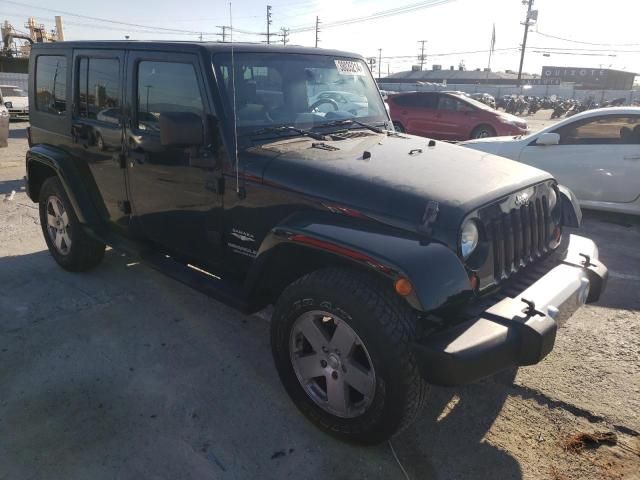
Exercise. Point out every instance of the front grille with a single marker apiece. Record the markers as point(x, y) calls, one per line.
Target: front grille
point(520, 236)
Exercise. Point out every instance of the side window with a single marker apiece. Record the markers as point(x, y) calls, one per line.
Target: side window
point(51, 84)
point(166, 87)
point(449, 104)
point(427, 100)
point(405, 100)
point(99, 92)
point(609, 129)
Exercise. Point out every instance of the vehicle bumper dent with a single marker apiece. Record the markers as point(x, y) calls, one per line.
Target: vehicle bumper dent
point(518, 330)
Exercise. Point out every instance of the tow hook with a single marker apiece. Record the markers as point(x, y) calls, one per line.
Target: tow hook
point(587, 260)
point(531, 308)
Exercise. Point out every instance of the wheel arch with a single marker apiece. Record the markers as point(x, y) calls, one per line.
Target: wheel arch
point(289, 252)
point(43, 162)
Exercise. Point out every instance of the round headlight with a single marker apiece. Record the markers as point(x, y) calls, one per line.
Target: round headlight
point(8, 104)
point(553, 199)
point(469, 238)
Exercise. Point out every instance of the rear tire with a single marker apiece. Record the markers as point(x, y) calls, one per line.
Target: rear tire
point(70, 246)
point(483, 131)
point(337, 330)
point(399, 128)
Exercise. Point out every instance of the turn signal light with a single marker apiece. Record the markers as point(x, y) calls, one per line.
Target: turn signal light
point(557, 234)
point(403, 287)
point(474, 281)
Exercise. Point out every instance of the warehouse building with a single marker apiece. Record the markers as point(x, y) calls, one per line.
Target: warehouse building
point(460, 76)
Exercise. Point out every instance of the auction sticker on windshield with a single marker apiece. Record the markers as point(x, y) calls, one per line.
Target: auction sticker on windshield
point(348, 67)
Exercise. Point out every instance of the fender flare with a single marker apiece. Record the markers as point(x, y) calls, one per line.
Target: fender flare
point(570, 213)
point(436, 273)
point(76, 180)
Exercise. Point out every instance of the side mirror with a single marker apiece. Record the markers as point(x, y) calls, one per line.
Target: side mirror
point(181, 129)
point(547, 139)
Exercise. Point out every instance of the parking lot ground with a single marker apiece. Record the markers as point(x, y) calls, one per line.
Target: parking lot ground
point(124, 373)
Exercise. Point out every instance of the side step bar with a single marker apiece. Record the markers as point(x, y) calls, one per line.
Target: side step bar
point(228, 292)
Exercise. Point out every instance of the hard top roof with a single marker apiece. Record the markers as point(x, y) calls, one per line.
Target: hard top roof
point(177, 46)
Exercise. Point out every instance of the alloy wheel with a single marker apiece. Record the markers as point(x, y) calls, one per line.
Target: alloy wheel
point(58, 225)
point(332, 364)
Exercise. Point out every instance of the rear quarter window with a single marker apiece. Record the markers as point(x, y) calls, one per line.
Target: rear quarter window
point(51, 84)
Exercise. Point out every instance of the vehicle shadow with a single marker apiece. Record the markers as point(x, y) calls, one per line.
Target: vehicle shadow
point(122, 359)
point(7, 186)
point(449, 440)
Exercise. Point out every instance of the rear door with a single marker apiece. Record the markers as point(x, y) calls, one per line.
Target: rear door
point(97, 126)
point(598, 158)
point(173, 190)
point(452, 118)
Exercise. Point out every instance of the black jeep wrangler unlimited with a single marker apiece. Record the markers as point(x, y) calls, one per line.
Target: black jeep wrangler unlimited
point(272, 175)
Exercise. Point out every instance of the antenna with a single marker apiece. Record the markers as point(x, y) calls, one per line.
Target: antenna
point(233, 91)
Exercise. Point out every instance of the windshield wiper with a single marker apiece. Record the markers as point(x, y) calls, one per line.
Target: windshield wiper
point(289, 128)
point(350, 121)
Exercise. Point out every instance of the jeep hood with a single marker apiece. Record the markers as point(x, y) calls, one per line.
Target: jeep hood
point(392, 178)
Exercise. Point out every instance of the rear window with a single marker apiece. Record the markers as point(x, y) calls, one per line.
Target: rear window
point(99, 89)
point(51, 84)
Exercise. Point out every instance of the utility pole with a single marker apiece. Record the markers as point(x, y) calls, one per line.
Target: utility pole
point(527, 23)
point(224, 32)
point(379, 62)
point(422, 58)
point(372, 62)
point(285, 35)
point(269, 21)
point(317, 31)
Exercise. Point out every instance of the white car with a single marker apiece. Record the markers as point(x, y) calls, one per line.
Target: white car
point(16, 100)
point(595, 153)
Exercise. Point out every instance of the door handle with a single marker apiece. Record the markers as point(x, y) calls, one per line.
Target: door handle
point(632, 157)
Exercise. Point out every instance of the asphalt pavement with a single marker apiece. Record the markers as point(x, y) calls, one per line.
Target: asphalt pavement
point(122, 373)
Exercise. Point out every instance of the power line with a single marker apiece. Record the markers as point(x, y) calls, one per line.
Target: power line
point(106, 20)
point(538, 32)
point(375, 16)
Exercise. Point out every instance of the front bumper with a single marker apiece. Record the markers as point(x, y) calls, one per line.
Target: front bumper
point(520, 328)
point(19, 112)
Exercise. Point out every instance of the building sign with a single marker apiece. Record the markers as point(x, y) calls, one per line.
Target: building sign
point(590, 77)
point(577, 75)
point(541, 81)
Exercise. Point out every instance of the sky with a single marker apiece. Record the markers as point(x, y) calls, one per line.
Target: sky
point(592, 34)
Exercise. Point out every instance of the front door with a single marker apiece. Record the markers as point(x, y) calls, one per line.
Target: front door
point(598, 158)
point(174, 200)
point(97, 125)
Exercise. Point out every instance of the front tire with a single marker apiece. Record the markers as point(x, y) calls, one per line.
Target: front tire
point(483, 131)
point(70, 246)
point(341, 342)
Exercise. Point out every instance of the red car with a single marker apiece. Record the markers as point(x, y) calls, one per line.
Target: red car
point(450, 116)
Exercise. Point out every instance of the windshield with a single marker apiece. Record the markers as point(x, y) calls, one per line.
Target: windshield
point(304, 91)
point(12, 92)
point(478, 104)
